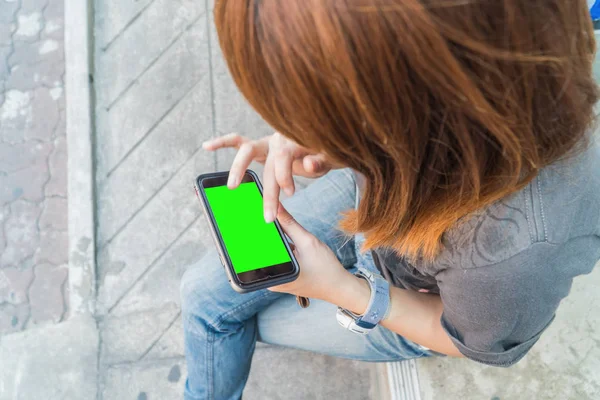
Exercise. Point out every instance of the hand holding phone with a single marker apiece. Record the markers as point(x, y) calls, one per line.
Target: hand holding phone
point(255, 254)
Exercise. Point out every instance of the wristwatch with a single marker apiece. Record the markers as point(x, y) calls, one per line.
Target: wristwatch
point(377, 309)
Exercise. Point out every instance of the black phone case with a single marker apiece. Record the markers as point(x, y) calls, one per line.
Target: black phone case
point(231, 275)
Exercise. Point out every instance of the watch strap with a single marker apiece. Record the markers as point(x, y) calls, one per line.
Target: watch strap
point(379, 302)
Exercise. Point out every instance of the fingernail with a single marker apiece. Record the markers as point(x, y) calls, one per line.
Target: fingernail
point(269, 217)
point(288, 192)
point(231, 182)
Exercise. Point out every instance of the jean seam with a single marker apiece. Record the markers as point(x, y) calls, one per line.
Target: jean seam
point(210, 357)
point(219, 321)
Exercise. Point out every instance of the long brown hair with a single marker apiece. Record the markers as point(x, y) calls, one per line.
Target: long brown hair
point(445, 106)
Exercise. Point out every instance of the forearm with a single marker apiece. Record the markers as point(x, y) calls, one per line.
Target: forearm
point(415, 316)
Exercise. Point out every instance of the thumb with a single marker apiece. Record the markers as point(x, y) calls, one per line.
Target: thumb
point(291, 227)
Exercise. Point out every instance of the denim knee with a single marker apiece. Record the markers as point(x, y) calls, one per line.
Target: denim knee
point(200, 285)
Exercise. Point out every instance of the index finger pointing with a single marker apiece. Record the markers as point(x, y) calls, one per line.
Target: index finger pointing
point(230, 140)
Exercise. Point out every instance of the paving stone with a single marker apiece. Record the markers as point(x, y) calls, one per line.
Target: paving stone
point(57, 161)
point(14, 283)
point(160, 285)
point(279, 373)
point(46, 295)
point(141, 44)
point(29, 115)
point(154, 162)
point(165, 84)
point(6, 30)
point(54, 20)
point(145, 381)
point(150, 232)
point(170, 344)
point(4, 53)
point(57, 362)
point(45, 115)
point(113, 16)
point(22, 236)
point(15, 114)
point(129, 338)
point(4, 213)
point(29, 25)
point(37, 63)
point(54, 214)
point(21, 155)
point(13, 318)
point(26, 183)
point(8, 10)
point(31, 6)
point(53, 247)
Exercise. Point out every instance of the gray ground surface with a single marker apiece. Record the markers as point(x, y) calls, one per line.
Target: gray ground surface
point(33, 156)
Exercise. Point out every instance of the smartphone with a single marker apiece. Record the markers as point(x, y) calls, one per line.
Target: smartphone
point(256, 255)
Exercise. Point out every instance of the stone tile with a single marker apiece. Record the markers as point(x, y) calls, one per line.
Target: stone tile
point(30, 6)
point(57, 185)
point(15, 115)
point(20, 156)
point(58, 362)
point(45, 294)
point(5, 50)
point(14, 283)
point(153, 163)
point(29, 115)
point(160, 285)
point(12, 319)
point(29, 25)
point(6, 30)
point(279, 373)
point(146, 103)
point(129, 338)
point(170, 345)
point(45, 115)
point(141, 44)
point(564, 364)
point(22, 236)
point(53, 247)
point(150, 232)
point(4, 213)
point(37, 63)
point(146, 380)
point(8, 10)
point(54, 214)
point(54, 20)
point(113, 16)
point(26, 184)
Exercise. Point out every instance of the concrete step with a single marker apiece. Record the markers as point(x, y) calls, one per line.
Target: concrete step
point(282, 373)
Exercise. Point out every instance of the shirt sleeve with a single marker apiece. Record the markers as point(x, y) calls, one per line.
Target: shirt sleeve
point(494, 314)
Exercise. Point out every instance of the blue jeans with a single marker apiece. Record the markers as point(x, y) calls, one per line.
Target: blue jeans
point(221, 326)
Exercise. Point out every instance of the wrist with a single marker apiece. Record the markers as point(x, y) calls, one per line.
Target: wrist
point(352, 293)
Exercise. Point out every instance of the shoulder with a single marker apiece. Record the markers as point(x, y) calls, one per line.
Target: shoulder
point(561, 204)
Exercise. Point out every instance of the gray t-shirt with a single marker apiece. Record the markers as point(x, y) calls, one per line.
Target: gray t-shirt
point(503, 270)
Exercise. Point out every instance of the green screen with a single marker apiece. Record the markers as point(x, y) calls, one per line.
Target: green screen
point(250, 241)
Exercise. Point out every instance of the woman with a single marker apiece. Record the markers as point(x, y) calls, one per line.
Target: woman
point(453, 140)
